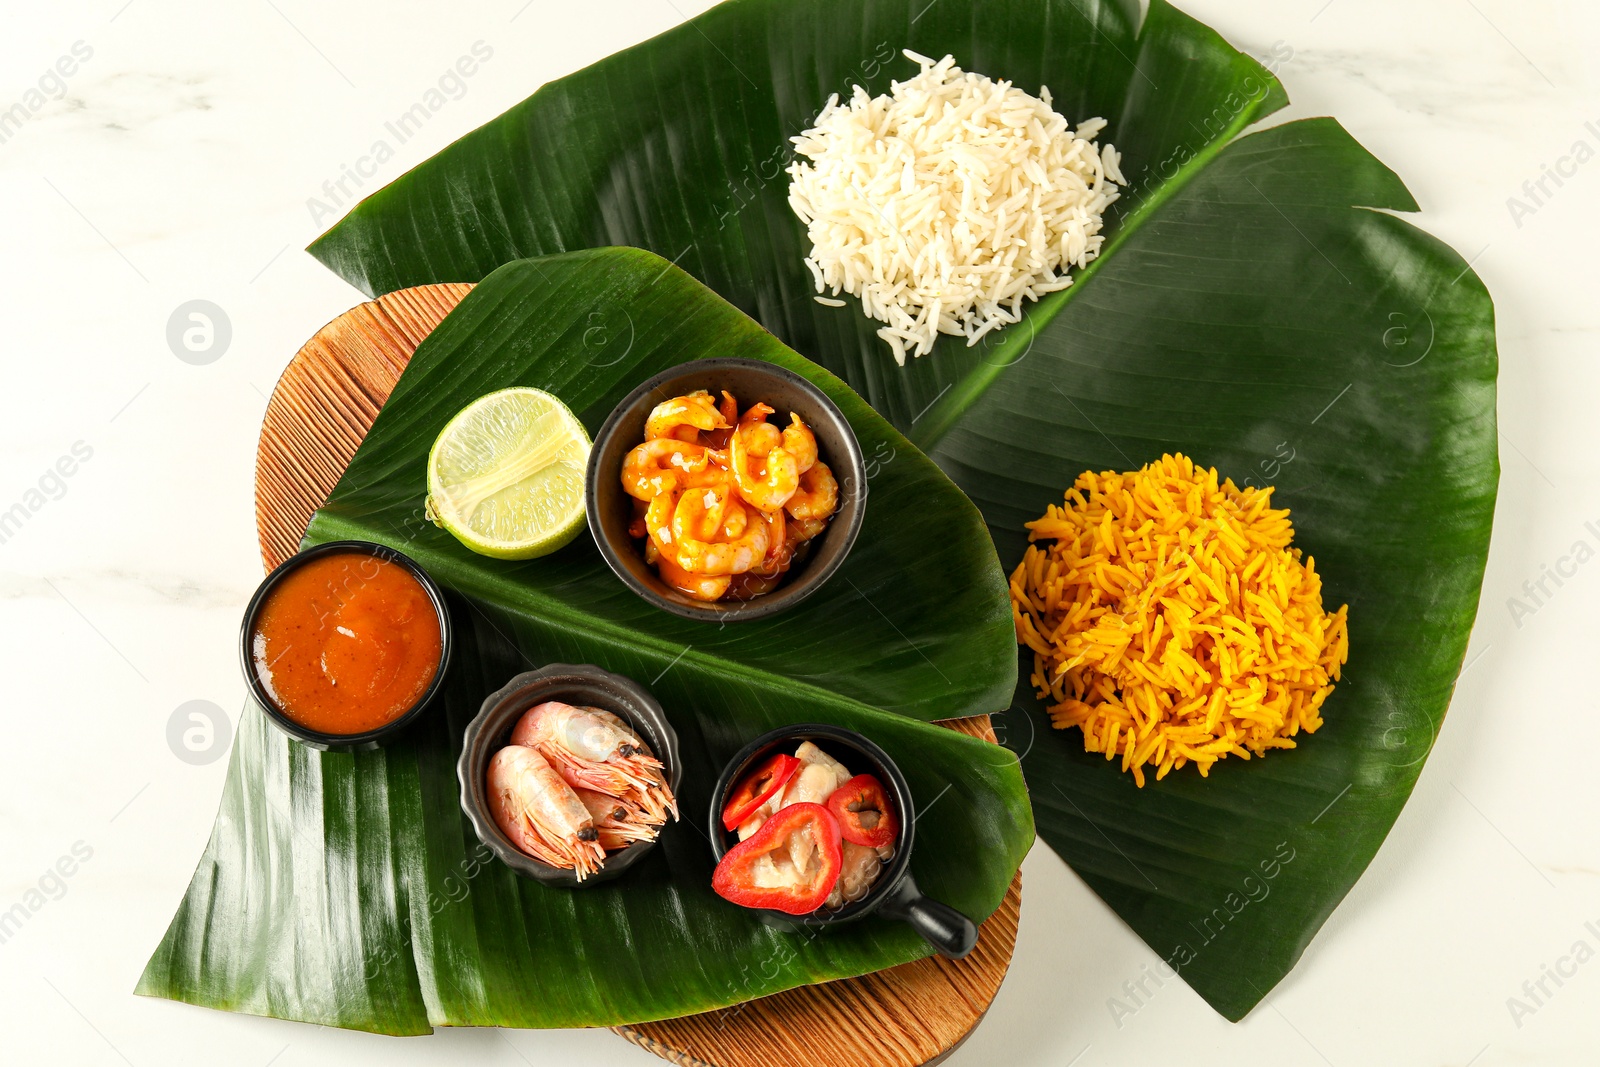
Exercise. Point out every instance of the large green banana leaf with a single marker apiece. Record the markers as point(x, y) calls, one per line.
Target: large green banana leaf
point(350, 890)
point(1249, 308)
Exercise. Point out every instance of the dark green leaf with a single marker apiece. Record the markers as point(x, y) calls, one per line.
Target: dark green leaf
point(679, 144)
point(349, 890)
point(917, 621)
point(1246, 301)
point(1264, 327)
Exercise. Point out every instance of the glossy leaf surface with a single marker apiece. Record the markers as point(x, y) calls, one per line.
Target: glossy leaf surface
point(1250, 308)
point(350, 890)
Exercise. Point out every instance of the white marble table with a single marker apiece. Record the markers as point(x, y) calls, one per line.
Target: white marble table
point(175, 162)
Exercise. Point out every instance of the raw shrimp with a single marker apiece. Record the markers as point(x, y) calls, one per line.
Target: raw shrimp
point(590, 753)
point(540, 813)
point(578, 732)
point(817, 495)
point(800, 442)
point(617, 823)
point(621, 724)
point(661, 465)
point(684, 418)
point(633, 736)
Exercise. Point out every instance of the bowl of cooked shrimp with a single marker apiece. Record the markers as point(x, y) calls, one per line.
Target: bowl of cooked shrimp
point(726, 489)
point(569, 774)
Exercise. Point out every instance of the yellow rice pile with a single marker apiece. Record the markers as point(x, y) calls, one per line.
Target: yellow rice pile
point(1171, 621)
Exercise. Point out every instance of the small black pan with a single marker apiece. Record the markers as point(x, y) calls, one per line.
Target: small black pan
point(895, 895)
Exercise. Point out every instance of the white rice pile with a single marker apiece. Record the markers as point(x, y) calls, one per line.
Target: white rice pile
point(949, 202)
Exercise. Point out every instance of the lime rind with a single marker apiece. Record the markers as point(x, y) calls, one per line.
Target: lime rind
point(506, 475)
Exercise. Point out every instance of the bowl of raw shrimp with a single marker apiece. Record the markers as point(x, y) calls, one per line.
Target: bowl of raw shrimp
point(726, 490)
point(569, 773)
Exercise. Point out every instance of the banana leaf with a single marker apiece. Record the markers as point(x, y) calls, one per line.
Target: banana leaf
point(350, 890)
point(1250, 308)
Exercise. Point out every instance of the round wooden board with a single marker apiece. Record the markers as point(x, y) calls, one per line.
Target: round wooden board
point(905, 1016)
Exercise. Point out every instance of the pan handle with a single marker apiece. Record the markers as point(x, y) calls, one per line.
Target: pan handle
point(940, 925)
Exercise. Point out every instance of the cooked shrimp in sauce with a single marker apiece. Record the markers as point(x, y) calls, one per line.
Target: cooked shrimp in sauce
point(726, 502)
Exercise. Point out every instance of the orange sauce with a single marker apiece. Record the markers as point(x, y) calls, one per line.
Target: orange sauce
point(346, 643)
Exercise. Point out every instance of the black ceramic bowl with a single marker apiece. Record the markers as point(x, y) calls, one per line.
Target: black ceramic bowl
point(611, 509)
point(490, 731)
point(316, 738)
point(895, 894)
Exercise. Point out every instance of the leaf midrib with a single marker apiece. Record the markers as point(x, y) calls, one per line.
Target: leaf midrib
point(948, 409)
point(545, 609)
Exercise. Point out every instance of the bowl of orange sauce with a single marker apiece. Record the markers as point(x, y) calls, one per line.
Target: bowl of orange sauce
point(345, 644)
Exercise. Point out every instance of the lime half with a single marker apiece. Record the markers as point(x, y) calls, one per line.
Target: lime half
point(506, 475)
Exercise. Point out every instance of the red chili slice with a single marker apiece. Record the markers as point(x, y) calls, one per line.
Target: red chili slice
point(734, 878)
point(865, 813)
point(757, 788)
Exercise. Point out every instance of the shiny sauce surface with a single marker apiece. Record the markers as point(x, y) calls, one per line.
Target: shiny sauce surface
point(346, 643)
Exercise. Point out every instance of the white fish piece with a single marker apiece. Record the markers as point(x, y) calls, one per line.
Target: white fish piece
point(860, 871)
point(819, 775)
point(748, 828)
point(813, 783)
point(810, 753)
